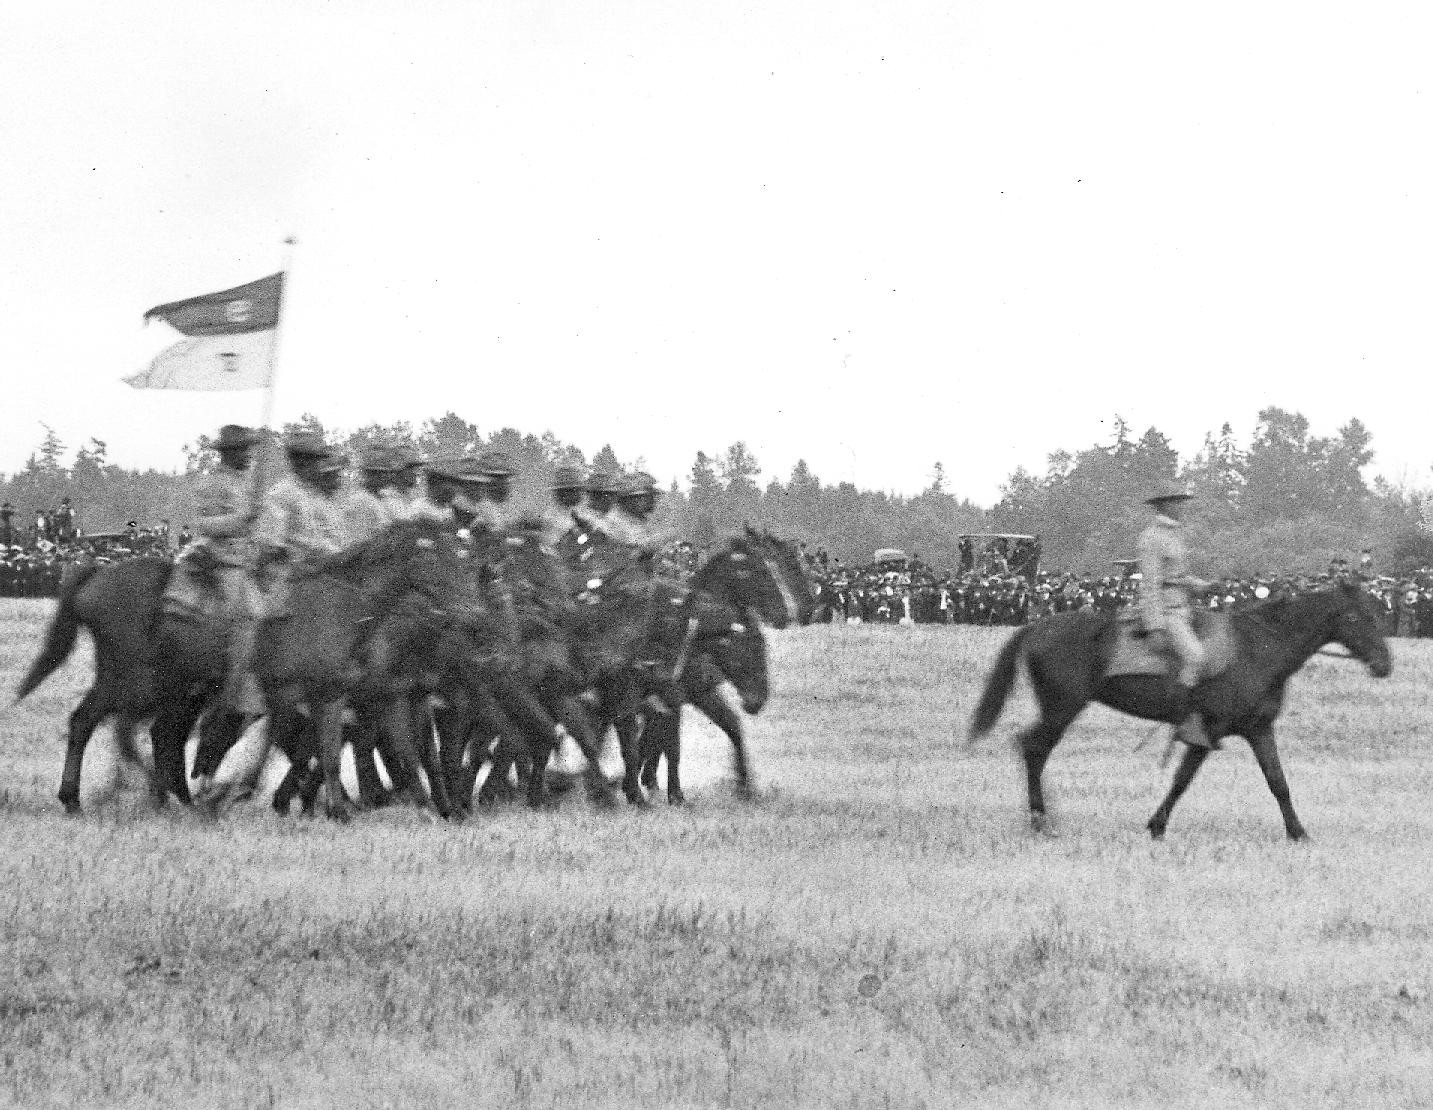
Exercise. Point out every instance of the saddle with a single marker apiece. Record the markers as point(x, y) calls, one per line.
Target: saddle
point(1137, 652)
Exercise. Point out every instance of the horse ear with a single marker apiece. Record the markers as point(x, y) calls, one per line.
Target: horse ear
point(750, 532)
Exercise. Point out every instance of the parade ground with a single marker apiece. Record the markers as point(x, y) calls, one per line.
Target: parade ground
point(880, 928)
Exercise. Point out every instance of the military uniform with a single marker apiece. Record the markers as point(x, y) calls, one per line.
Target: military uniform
point(1164, 592)
point(299, 521)
point(1165, 583)
point(225, 515)
point(364, 514)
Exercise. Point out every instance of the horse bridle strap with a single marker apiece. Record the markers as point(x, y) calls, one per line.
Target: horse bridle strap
point(793, 613)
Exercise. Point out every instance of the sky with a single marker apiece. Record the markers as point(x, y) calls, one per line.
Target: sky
point(872, 236)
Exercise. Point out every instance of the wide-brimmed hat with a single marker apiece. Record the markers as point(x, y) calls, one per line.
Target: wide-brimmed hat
point(568, 477)
point(463, 469)
point(385, 460)
point(600, 481)
point(305, 444)
point(1168, 490)
point(234, 436)
point(497, 464)
point(639, 485)
point(331, 462)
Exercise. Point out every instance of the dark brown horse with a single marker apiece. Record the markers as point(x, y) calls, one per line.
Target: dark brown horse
point(150, 665)
point(1066, 656)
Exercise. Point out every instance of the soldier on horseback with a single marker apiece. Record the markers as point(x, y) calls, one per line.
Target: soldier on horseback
point(226, 513)
point(301, 521)
point(493, 493)
point(559, 518)
point(1165, 587)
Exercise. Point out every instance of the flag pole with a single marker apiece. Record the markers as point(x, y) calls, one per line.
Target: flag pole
point(266, 417)
point(268, 410)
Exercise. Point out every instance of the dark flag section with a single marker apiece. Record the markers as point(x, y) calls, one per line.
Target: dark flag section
point(226, 339)
point(245, 308)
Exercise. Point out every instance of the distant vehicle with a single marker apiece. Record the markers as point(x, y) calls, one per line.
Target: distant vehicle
point(1128, 568)
point(891, 558)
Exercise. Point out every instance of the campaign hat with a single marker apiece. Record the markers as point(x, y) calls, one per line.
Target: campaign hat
point(639, 484)
point(1168, 490)
point(497, 464)
point(568, 477)
point(234, 436)
point(305, 444)
point(600, 481)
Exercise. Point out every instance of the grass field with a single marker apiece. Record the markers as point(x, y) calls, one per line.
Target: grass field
point(879, 930)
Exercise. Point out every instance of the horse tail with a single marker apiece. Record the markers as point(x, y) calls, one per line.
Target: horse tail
point(998, 685)
point(60, 639)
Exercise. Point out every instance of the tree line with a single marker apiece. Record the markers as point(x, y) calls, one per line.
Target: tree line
point(1285, 501)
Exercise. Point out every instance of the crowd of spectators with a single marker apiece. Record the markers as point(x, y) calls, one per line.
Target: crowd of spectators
point(907, 591)
point(35, 552)
point(998, 582)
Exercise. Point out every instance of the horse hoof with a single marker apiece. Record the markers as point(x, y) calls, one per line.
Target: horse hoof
point(676, 798)
point(72, 809)
point(1040, 826)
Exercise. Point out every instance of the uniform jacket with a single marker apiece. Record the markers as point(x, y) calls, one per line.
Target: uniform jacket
point(300, 520)
point(364, 515)
point(223, 514)
point(1164, 571)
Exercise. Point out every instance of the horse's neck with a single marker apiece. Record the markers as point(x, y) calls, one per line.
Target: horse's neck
point(1288, 644)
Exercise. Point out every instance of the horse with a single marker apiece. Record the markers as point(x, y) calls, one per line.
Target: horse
point(149, 664)
point(1066, 656)
point(714, 617)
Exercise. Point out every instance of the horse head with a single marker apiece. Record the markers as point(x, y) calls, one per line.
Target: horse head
point(1355, 625)
point(744, 575)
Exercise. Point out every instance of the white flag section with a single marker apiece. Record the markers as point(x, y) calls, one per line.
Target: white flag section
point(226, 340)
point(211, 362)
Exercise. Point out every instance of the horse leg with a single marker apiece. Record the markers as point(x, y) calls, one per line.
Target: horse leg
point(411, 730)
point(452, 723)
point(662, 739)
point(125, 727)
point(83, 722)
point(364, 741)
point(1189, 765)
point(167, 735)
point(711, 702)
point(1267, 753)
point(659, 739)
point(1036, 744)
point(328, 717)
point(294, 784)
point(629, 731)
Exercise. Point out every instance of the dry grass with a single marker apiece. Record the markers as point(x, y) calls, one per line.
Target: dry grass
point(879, 931)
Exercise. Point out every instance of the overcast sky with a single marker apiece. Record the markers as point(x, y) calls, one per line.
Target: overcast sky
point(872, 235)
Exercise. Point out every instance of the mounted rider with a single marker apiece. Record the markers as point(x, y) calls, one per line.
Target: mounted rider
point(226, 510)
point(1164, 598)
point(301, 521)
point(380, 499)
point(603, 488)
point(492, 495)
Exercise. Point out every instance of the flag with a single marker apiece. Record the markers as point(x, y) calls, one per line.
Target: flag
point(228, 339)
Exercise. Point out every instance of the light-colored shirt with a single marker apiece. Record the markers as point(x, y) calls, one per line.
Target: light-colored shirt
point(300, 520)
point(223, 514)
point(1164, 571)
